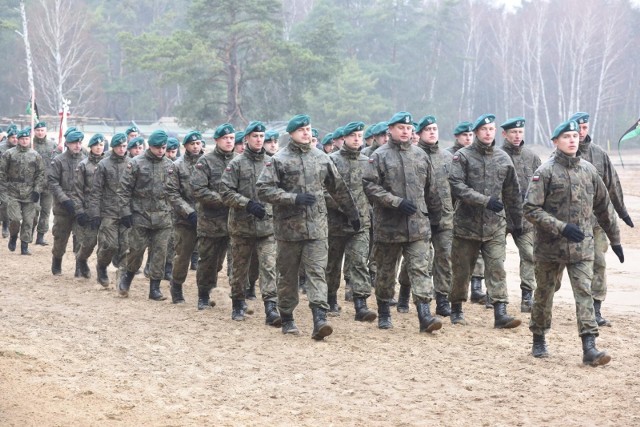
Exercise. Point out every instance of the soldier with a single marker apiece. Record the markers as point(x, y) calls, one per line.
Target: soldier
point(61, 179)
point(132, 132)
point(599, 158)
point(295, 182)
point(338, 139)
point(526, 162)
point(380, 137)
point(344, 241)
point(105, 211)
point(47, 150)
point(21, 182)
point(271, 142)
point(173, 147)
point(368, 136)
point(238, 148)
point(483, 181)
point(88, 235)
point(213, 235)
point(463, 136)
point(250, 226)
point(184, 206)
point(135, 146)
point(10, 142)
point(327, 143)
point(314, 137)
point(563, 195)
point(400, 183)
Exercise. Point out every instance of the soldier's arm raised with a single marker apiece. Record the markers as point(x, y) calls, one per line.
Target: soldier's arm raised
point(268, 186)
point(458, 181)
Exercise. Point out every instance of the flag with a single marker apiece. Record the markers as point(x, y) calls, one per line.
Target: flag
point(632, 132)
point(29, 111)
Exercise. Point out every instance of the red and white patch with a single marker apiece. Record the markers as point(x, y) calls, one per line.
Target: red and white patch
point(535, 178)
point(267, 164)
point(456, 158)
point(370, 160)
point(199, 165)
point(228, 169)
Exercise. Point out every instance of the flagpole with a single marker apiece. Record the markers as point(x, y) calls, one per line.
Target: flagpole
point(27, 47)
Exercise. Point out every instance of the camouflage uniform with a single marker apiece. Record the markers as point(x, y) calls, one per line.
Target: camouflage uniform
point(4, 147)
point(373, 268)
point(88, 236)
point(566, 190)
point(47, 150)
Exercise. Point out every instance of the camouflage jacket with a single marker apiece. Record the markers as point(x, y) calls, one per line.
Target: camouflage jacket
point(142, 191)
point(47, 149)
point(179, 187)
point(4, 147)
point(455, 147)
point(300, 168)
point(567, 190)
point(526, 162)
point(21, 173)
point(84, 182)
point(61, 178)
point(351, 166)
point(477, 173)
point(368, 151)
point(600, 159)
point(441, 162)
point(401, 171)
point(206, 181)
point(103, 198)
point(238, 188)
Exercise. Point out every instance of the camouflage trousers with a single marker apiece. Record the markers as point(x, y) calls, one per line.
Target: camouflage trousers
point(441, 261)
point(524, 243)
point(63, 226)
point(387, 256)
point(478, 268)
point(186, 239)
point(312, 256)
point(88, 238)
point(21, 215)
point(373, 267)
point(171, 247)
point(599, 282)
point(213, 251)
point(113, 243)
point(141, 238)
point(4, 217)
point(244, 250)
point(464, 253)
point(43, 212)
point(355, 251)
point(549, 277)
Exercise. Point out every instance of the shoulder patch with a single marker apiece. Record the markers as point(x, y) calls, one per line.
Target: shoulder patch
point(129, 165)
point(370, 160)
point(267, 164)
point(456, 157)
point(170, 170)
point(535, 178)
point(227, 169)
point(198, 165)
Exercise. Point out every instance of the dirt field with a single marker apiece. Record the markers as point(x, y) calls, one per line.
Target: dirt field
point(73, 354)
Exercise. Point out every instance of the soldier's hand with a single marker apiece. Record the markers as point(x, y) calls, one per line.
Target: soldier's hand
point(35, 197)
point(256, 209)
point(407, 207)
point(517, 232)
point(356, 225)
point(126, 221)
point(83, 219)
point(305, 199)
point(627, 220)
point(95, 222)
point(494, 204)
point(573, 233)
point(193, 219)
point(617, 249)
point(69, 207)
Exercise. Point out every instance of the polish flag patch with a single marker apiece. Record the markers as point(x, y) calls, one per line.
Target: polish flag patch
point(535, 178)
point(456, 158)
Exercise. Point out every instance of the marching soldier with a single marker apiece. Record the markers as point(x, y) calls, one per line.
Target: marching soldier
point(271, 142)
point(135, 146)
point(6, 145)
point(47, 150)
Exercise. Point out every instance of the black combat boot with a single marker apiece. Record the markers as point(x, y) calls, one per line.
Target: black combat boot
point(442, 305)
point(477, 297)
point(527, 302)
point(348, 290)
point(147, 271)
point(601, 321)
point(176, 292)
point(237, 311)
point(154, 291)
point(12, 243)
point(363, 314)
point(40, 240)
point(272, 317)
point(501, 319)
point(194, 260)
point(125, 283)
point(384, 315)
point(103, 277)
point(5, 229)
point(168, 271)
point(203, 300)
point(302, 284)
point(24, 248)
point(590, 354)
point(250, 292)
point(85, 271)
point(539, 348)
point(288, 325)
point(321, 328)
point(56, 266)
point(403, 299)
point(457, 316)
point(428, 323)
point(334, 308)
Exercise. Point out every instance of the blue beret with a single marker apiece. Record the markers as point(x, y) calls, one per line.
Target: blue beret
point(118, 139)
point(463, 127)
point(338, 133)
point(239, 137)
point(484, 119)
point(138, 141)
point(96, 139)
point(401, 117)
point(40, 125)
point(69, 130)
point(24, 133)
point(568, 126)
point(581, 118)
point(131, 129)
point(425, 121)
point(298, 121)
point(516, 122)
point(327, 139)
point(158, 138)
point(255, 126)
point(314, 132)
point(75, 136)
point(271, 134)
point(222, 130)
point(380, 128)
point(352, 127)
point(194, 135)
point(172, 143)
point(11, 130)
point(368, 133)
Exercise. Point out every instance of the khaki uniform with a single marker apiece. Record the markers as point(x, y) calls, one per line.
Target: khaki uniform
point(85, 172)
point(47, 150)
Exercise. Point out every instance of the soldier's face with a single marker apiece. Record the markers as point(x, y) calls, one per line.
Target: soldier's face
point(429, 134)
point(226, 143)
point(302, 135)
point(120, 150)
point(24, 141)
point(368, 141)
point(584, 131)
point(314, 140)
point(40, 133)
point(172, 154)
point(271, 146)
point(75, 147)
point(132, 135)
point(328, 148)
point(464, 138)
point(134, 151)
point(568, 143)
point(12, 140)
point(337, 143)
point(239, 148)
point(514, 136)
point(255, 141)
point(381, 139)
point(486, 133)
point(158, 151)
point(97, 149)
point(401, 132)
point(353, 141)
point(193, 147)
point(415, 138)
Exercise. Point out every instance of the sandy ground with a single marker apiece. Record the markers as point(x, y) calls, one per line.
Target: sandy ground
point(73, 354)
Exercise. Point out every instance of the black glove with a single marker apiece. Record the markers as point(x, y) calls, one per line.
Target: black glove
point(126, 221)
point(435, 228)
point(193, 218)
point(573, 233)
point(257, 210)
point(95, 222)
point(407, 207)
point(356, 225)
point(627, 220)
point(35, 196)
point(617, 249)
point(68, 205)
point(83, 219)
point(305, 199)
point(517, 232)
point(495, 204)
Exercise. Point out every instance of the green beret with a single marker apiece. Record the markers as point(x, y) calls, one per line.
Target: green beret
point(131, 129)
point(352, 127)
point(368, 133)
point(69, 130)
point(568, 126)
point(255, 126)
point(11, 131)
point(516, 122)
point(172, 143)
point(40, 125)
point(194, 135)
point(581, 118)
point(96, 139)
point(298, 121)
point(271, 134)
point(118, 139)
point(401, 117)
point(158, 138)
point(75, 136)
point(462, 127)
point(138, 141)
point(424, 122)
point(314, 132)
point(239, 138)
point(484, 119)
point(380, 128)
point(327, 139)
point(222, 130)
point(24, 133)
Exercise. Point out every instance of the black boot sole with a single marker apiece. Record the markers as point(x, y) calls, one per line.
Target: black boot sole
point(324, 331)
point(602, 360)
point(370, 316)
point(433, 326)
point(514, 323)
